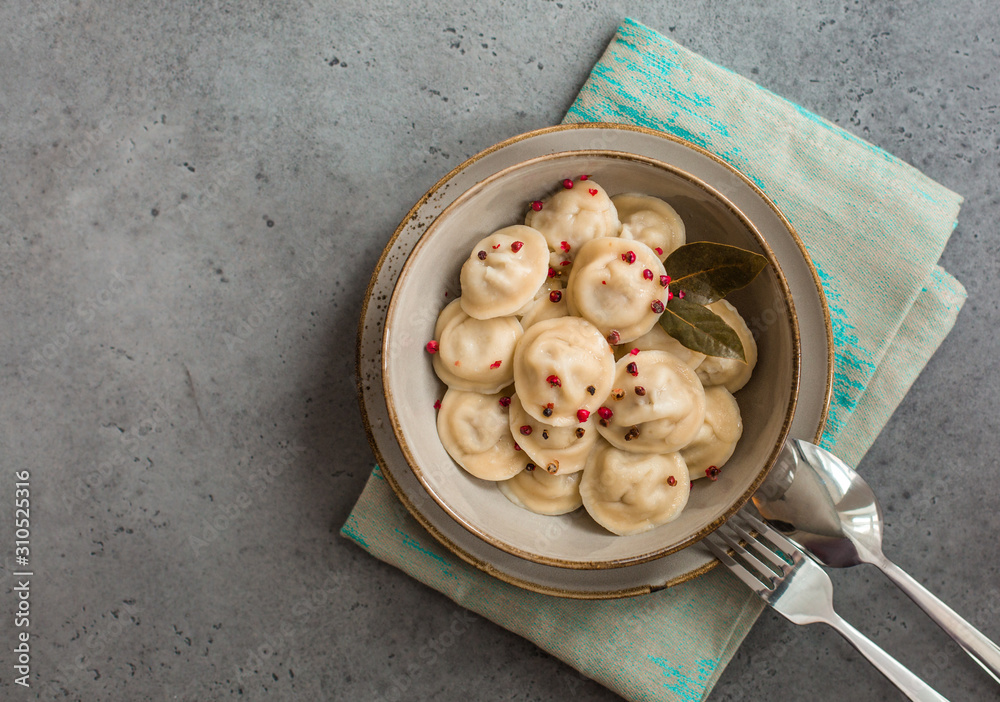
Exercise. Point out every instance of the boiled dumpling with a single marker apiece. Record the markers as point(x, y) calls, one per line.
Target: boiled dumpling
point(618, 286)
point(503, 272)
point(562, 366)
point(573, 216)
point(549, 302)
point(730, 372)
point(652, 221)
point(718, 436)
point(555, 449)
point(657, 339)
point(542, 493)
point(657, 404)
point(475, 354)
point(629, 493)
point(474, 431)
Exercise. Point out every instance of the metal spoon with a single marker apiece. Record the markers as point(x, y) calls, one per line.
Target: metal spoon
point(824, 506)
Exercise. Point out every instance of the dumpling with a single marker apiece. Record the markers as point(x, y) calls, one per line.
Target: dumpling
point(574, 216)
point(657, 404)
point(652, 221)
point(718, 436)
point(628, 493)
point(555, 449)
point(503, 272)
point(542, 493)
point(616, 285)
point(549, 302)
point(563, 369)
point(474, 431)
point(730, 372)
point(475, 354)
point(656, 339)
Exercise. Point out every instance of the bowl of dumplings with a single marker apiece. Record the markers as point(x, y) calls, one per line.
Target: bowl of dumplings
point(533, 389)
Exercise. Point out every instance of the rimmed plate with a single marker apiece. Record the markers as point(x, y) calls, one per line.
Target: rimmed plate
point(807, 293)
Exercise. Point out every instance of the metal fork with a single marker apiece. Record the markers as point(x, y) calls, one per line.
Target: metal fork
point(802, 592)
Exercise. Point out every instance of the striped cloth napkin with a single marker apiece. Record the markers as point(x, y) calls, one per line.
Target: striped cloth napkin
point(874, 228)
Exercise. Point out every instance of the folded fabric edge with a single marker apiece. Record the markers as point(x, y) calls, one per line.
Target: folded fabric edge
point(922, 331)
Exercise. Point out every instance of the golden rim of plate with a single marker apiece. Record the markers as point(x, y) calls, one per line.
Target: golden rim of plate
point(413, 213)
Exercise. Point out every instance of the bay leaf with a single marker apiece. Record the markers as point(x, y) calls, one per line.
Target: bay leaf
point(700, 329)
point(707, 271)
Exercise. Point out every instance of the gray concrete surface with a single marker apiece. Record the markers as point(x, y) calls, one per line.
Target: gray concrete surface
point(192, 196)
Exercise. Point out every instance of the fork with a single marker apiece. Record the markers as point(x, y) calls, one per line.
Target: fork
point(802, 592)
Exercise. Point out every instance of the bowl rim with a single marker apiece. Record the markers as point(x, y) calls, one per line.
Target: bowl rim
point(789, 412)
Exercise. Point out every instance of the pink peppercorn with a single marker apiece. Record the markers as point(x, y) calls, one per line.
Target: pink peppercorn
point(582, 415)
point(629, 257)
point(505, 401)
point(516, 246)
point(605, 412)
point(657, 306)
point(432, 346)
point(536, 205)
point(647, 274)
point(568, 184)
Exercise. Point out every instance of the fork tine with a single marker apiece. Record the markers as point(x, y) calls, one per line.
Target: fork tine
point(783, 566)
point(736, 568)
point(761, 569)
point(770, 534)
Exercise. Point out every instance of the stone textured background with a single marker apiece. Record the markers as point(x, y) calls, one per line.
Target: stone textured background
point(192, 197)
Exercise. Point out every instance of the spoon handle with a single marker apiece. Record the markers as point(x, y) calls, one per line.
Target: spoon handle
point(982, 650)
point(898, 674)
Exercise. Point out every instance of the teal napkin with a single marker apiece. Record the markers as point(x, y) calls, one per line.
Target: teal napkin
point(874, 228)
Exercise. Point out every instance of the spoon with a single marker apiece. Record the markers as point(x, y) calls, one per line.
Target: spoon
point(824, 506)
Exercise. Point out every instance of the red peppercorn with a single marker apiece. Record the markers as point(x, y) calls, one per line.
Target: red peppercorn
point(584, 177)
point(670, 295)
point(536, 205)
point(664, 280)
point(659, 251)
point(564, 245)
point(629, 257)
point(671, 480)
point(516, 447)
point(639, 390)
point(680, 294)
point(614, 337)
point(555, 296)
point(496, 246)
point(633, 352)
point(582, 415)
point(437, 404)
point(592, 191)
point(632, 369)
point(568, 184)
point(432, 346)
point(713, 473)
point(565, 263)
point(495, 364)
point(526, 430)
point(552, 272)
point(657, 306)
point(505, 401)
point(516, 246)
point(647, 274)
point(554, 381)
point(482, 255)
point(605, 412)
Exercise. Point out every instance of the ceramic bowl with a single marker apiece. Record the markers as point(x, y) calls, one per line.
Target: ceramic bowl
point(429, 280)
